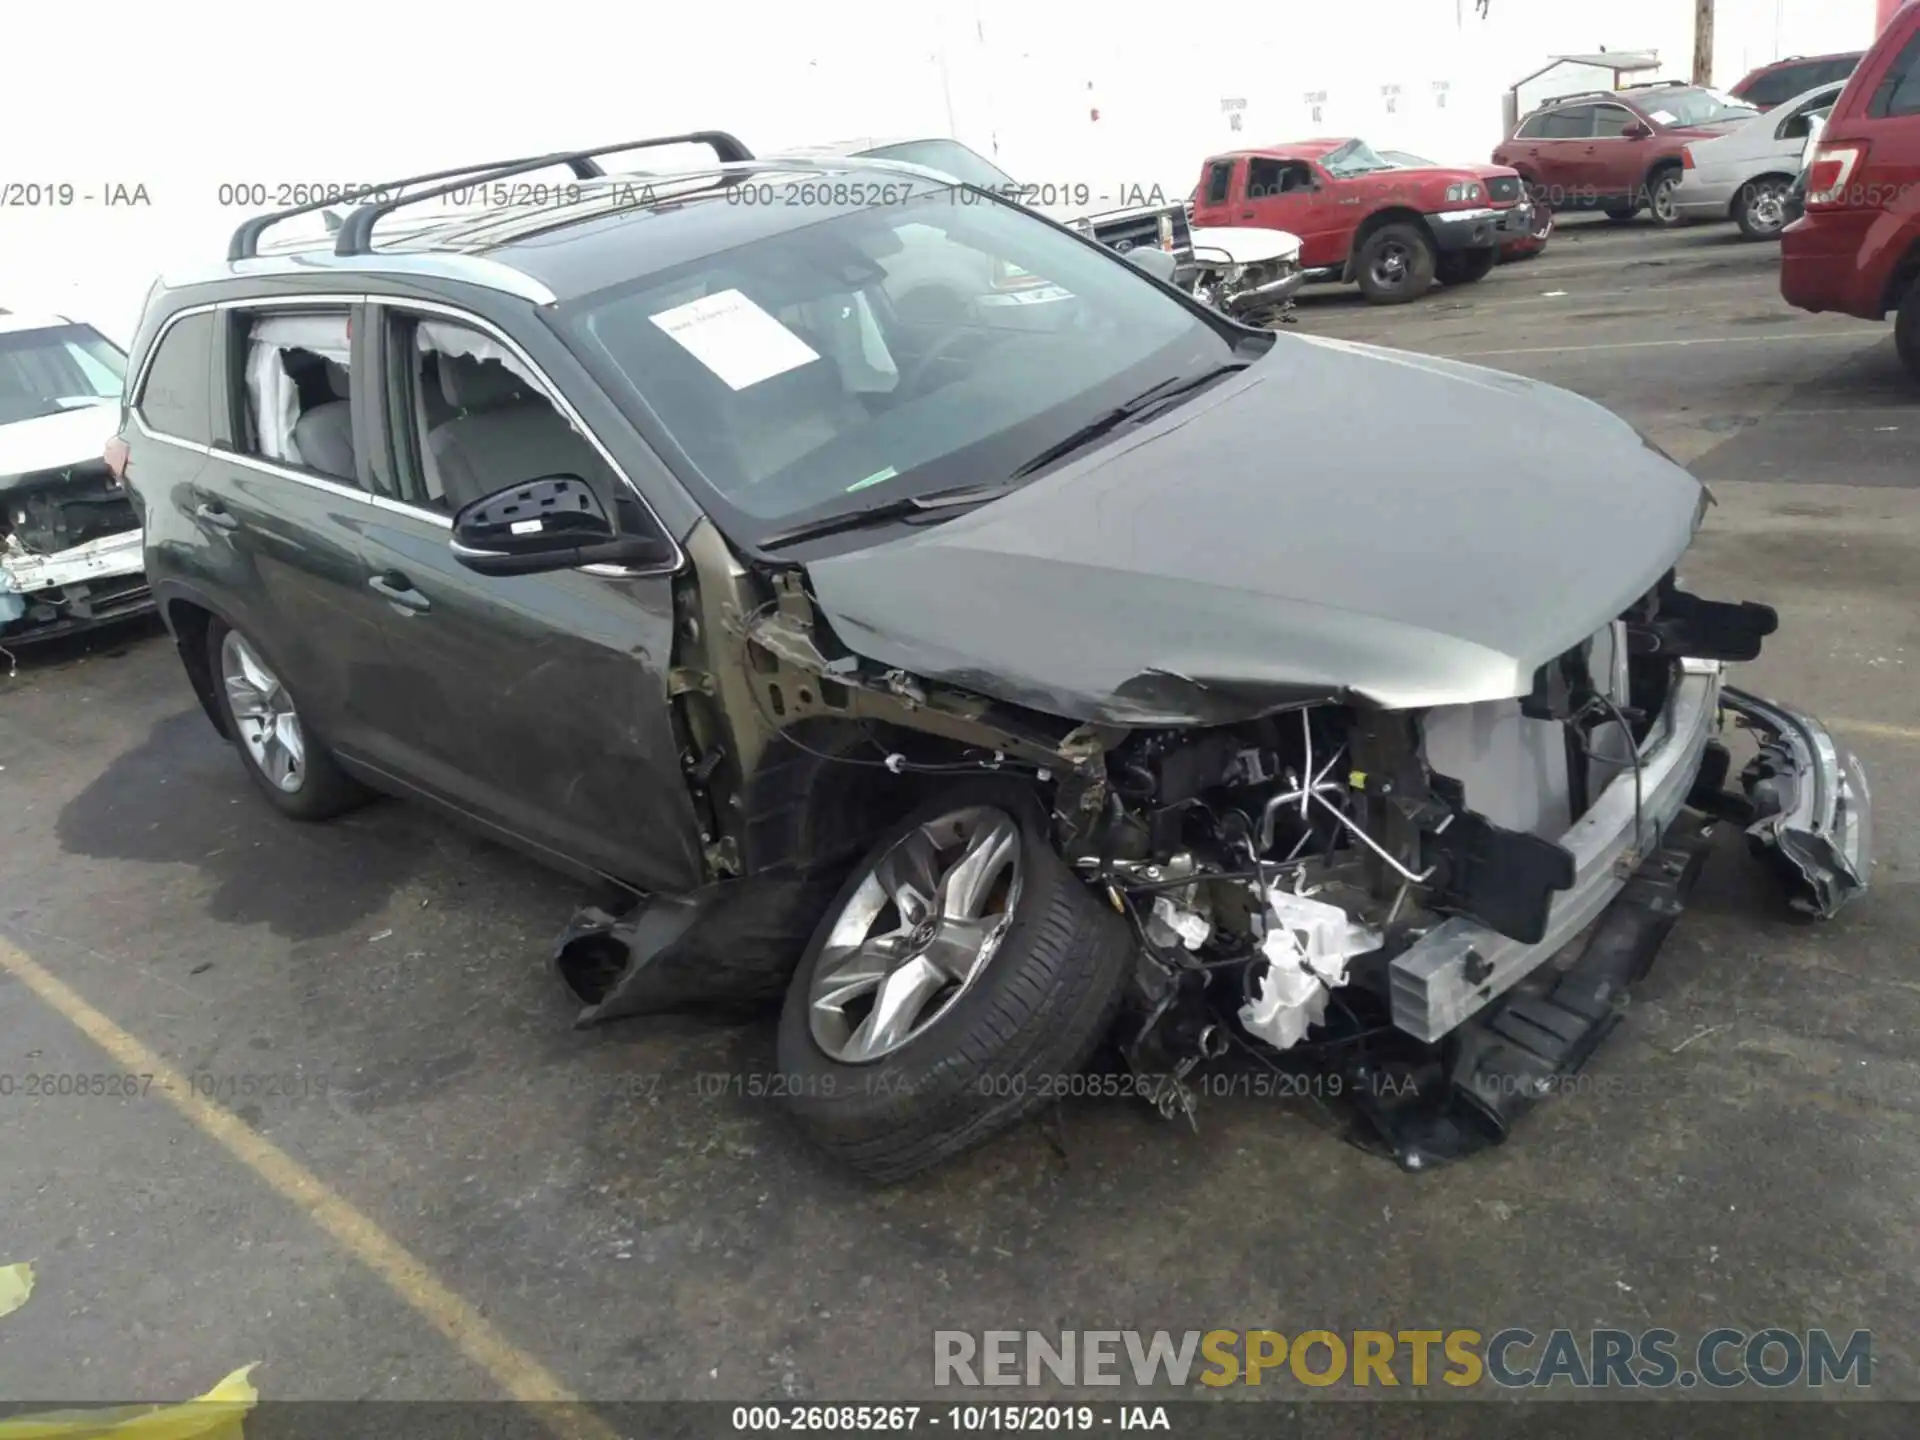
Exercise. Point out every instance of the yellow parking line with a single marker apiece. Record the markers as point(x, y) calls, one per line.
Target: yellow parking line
point(1875, 727)
point(517, 1373)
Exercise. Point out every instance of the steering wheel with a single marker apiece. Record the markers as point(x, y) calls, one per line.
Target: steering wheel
point(917, 372)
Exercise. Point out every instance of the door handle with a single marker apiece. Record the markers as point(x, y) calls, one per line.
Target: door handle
point(1246, 214)
point(216, 516)
point(398, 590)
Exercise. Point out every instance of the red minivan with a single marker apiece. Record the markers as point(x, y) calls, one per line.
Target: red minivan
point(1857, 250)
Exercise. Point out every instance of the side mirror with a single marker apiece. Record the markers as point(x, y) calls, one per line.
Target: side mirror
point(553, 523)
point(1636, 130)
point(1157, 263)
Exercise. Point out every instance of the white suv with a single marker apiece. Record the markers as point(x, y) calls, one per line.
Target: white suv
point(69, 537)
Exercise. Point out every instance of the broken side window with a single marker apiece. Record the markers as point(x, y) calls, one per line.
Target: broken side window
point(298, 369)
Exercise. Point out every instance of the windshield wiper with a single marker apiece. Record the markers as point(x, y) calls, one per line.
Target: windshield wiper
point(905, 507)
point(1113, 419)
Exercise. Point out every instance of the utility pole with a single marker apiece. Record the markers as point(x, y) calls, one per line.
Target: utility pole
point(1703, 42)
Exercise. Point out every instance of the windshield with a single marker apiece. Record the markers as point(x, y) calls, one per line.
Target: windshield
point(1694, 106)
point(950, 157)
point(883, 352)
point(1356, 157)
point(61, 367)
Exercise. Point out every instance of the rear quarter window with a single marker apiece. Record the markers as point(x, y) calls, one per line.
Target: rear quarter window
point(176, 393)
point(1899, 92)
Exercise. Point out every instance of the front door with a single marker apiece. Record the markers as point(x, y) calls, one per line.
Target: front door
point(1617, 162)
point(536, 704)
point(1291, 195)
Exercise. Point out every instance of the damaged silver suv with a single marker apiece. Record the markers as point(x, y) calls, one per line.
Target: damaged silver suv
point(1003, 683)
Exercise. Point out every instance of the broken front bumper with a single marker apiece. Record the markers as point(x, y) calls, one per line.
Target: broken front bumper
point(1807, 803)
point(46, 595)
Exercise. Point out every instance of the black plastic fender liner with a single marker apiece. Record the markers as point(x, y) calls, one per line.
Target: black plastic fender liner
point(734, 943)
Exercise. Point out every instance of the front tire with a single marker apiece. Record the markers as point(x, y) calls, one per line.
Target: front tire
point(1396, 264)
point(1620, 214)
point(1466, 266)
point(282, 756)
point(1761, 212)
point(959, 975)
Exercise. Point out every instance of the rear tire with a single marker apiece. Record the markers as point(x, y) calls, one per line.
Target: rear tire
point(1620, 215)
point(1463, 267)
point(1906, 330)
point(967, 1067)
point(1396, 264)
point(1761, 210)
point(283, 758)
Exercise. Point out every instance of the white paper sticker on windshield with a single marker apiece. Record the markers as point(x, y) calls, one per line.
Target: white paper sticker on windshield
point(1665, 117)
point(735, 338)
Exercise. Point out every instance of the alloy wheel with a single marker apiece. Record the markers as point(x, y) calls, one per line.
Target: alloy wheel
point(919, 929)
point(1767, 208)
point(263, 710)
point(1661, 202)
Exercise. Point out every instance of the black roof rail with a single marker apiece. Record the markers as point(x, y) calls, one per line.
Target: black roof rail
point(726, 148)
point(245, 244)
point(1661, 85)
point(356, 233)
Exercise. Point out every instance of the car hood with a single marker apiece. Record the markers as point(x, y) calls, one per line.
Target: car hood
point(47, 442)
point(1338, 521)
point(1242, 245)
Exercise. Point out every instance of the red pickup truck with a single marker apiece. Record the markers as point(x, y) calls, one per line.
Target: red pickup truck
point(1362, 219)
point(1857, 248)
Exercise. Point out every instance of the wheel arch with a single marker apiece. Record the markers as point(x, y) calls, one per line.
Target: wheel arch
point(823, 792)
point(1733, 201)
point(1901, 279)
point(1375, 221)
point(189, 618)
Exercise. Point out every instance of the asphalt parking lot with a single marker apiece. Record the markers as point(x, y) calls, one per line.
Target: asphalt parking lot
point(401, 1174)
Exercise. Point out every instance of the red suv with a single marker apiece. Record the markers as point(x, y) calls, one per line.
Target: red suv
point(1616, 150)
point(1774, 84)
point(1857, 249)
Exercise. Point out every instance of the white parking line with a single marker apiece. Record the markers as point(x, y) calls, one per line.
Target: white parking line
point(1658, 344)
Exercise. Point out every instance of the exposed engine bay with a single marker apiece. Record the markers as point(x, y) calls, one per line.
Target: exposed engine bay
point(1294, 880)
point(69, 550)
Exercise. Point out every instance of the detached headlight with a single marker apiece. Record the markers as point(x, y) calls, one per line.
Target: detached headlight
point(1464, 191)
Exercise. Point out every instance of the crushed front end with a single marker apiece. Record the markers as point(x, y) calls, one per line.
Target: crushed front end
point(70, 551)
point(1444, 908)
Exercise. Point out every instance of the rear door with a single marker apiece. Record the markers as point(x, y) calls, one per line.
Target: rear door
point(279, 505)
point(1213, 200)
point(534, 704)
point(1562, 155)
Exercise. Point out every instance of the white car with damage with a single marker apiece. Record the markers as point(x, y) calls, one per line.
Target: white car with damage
point(70, 541)
point(1747, 174)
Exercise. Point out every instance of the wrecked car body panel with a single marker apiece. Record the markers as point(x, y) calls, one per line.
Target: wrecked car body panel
point(1459, 967)
point(1814, 807)
point(70, 542)
point(1200, 570)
